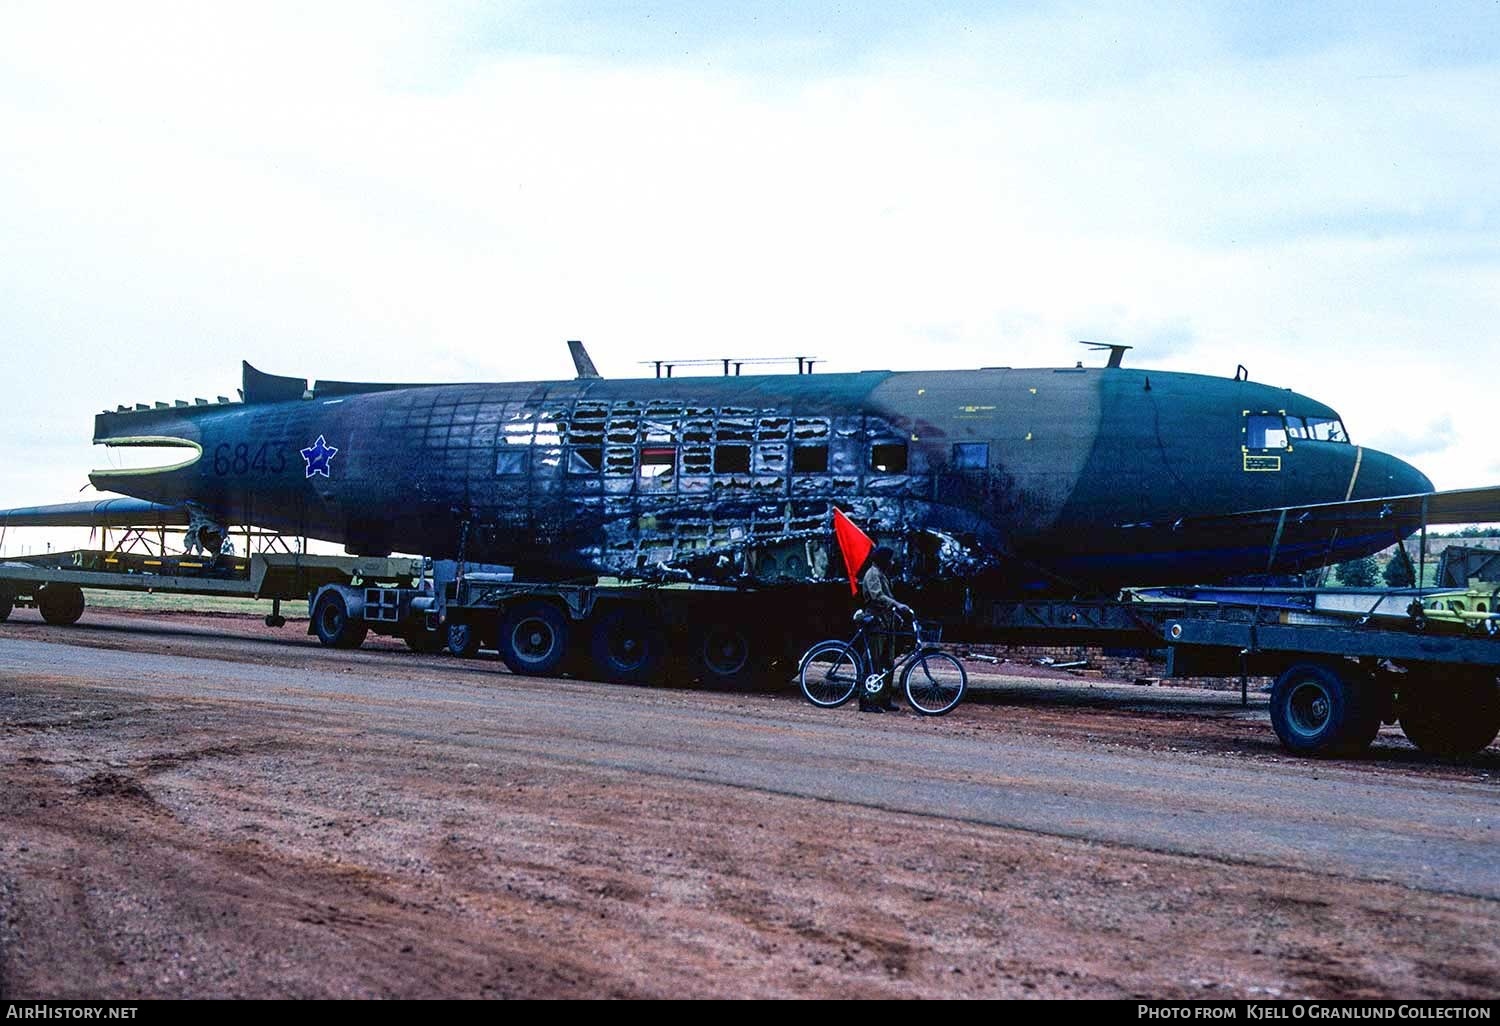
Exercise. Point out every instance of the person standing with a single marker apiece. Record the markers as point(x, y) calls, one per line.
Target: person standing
point(875, 591)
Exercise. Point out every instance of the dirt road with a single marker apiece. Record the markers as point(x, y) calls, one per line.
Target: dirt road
point(203, 807)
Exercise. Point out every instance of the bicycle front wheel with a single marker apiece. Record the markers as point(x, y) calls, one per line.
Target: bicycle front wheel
point(934, 683)
point(830, 674)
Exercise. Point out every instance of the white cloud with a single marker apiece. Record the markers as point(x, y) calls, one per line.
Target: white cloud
point(1415, 440)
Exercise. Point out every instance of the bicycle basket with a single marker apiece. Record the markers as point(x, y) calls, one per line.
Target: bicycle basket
point(930, 634)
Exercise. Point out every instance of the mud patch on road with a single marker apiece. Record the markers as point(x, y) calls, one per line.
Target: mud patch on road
point(112, 785)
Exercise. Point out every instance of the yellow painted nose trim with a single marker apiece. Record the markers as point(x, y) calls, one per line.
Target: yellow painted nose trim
point(1359, 458)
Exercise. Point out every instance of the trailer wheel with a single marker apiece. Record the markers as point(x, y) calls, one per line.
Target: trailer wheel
point(725, 654)
point(1319, 709)
point(60, 604)
point(627, 647)
point(333, 625)
point(533, 638)
point(1451, 712)
point(463, 640)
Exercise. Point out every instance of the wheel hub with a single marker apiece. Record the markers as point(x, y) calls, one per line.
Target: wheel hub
point(725, 652)
point(535, 639)
point(1310, 708)
point(627, 649)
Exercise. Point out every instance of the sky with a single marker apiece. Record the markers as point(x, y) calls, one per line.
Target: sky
point(430, 191)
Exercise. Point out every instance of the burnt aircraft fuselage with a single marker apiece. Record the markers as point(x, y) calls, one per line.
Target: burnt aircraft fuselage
point(1076, 475)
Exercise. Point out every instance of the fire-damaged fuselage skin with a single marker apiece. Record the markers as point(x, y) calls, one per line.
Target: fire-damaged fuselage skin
point(1053, 478)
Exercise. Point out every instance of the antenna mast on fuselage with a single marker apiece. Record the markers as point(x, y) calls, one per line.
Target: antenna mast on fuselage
point(731, 366)
point(1115, 349)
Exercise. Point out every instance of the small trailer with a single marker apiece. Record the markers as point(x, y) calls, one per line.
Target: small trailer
point(1343, 660)
point(53, 583)
point(1336, 683)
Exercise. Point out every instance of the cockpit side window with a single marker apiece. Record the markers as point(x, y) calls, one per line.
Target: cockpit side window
point(1316, 429)
point(1265, 431)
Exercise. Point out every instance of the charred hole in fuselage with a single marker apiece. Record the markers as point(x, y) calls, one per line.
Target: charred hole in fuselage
point(888, 457)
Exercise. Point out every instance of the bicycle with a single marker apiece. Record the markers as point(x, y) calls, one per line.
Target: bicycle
point(832, 671)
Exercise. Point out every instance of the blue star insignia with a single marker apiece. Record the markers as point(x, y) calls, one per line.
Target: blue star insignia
point(317, 457)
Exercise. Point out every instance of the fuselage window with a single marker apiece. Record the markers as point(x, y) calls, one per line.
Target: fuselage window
point(511, 460)
point(888, 458)
point(810, 459)
point(971, 455)
point(732, 459)
point(1265, 431)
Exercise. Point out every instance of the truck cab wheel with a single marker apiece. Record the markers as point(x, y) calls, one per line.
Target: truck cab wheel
point(463, 640)
point(533, 638)
point(1325, 710)
point(333, 625)
point(60, 604)
point(1450, 712)
point(425, 642)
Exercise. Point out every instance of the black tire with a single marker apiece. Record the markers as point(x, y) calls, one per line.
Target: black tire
point(60, 604)
point(463, 640)
point(934, 683)
point(333, 625)
point(7, 604)
point(1451, 712)
point(1323, 710)
point(425, 642)
point(725, 655)
point(627, 647)
point(830, 674)
point(533, 638)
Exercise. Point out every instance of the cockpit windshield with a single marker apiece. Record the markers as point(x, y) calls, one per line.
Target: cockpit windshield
point(1272, 429)
point(1316, 429)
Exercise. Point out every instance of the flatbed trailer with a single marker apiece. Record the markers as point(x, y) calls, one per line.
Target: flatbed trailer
point(632, 632)
point(1344, 661)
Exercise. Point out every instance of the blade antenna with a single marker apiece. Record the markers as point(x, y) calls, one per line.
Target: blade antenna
point(582, 363)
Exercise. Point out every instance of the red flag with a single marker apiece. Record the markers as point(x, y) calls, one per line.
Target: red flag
point(854, 544)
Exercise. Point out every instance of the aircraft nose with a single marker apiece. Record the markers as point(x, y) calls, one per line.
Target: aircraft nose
point(1383, 474)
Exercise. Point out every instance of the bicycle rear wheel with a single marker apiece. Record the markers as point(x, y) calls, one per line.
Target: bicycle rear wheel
point(830, 674)
point(934, 683)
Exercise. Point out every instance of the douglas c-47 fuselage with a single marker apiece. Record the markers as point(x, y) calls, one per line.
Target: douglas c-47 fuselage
point(1075, 477)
